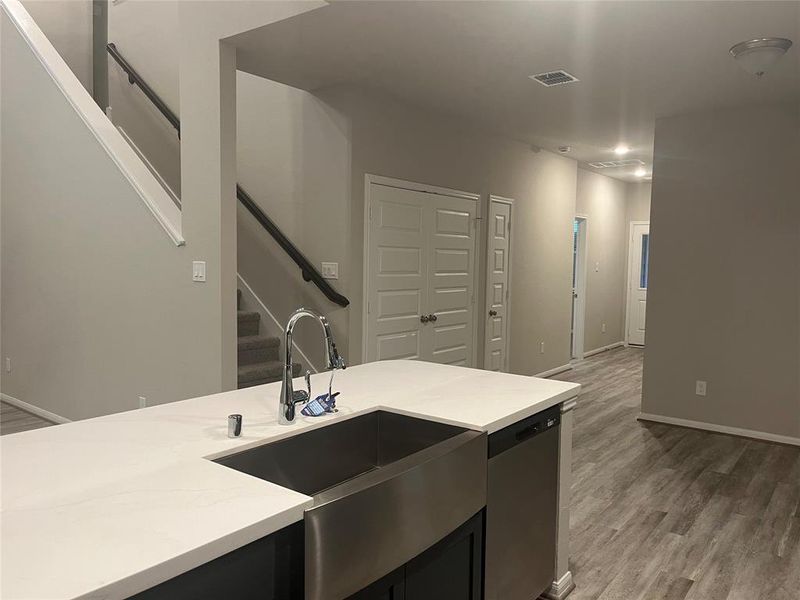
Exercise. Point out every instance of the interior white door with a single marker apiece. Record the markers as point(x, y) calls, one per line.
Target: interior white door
point(639, 273)
point(498, 270)
point(449, 335)
point(398, 276)
point(420, 276)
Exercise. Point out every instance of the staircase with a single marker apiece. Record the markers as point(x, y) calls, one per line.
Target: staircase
point(260, 359)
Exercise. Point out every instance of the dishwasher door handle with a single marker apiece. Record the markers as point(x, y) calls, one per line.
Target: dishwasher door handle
point(527, 432)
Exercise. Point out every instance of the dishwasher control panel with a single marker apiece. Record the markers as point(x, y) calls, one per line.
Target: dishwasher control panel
point(507, 438)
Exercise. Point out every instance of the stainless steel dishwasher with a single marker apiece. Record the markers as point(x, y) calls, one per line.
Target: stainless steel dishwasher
point(522, 508)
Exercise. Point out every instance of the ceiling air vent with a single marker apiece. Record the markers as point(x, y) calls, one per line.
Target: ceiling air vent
point(609, 164)
point(554, 78)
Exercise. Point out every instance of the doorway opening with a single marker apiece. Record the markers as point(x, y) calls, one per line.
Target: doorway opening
point(579, 247)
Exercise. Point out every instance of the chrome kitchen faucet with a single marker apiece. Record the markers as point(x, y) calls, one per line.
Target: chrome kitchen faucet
point(290, 397)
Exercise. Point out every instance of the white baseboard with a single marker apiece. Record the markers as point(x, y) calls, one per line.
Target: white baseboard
point(556, 371)
point(34, 410)
point(560, 589)
point(747, 433)
point(603, 349)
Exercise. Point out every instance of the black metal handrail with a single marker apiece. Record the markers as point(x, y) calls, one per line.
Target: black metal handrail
point(309, 271)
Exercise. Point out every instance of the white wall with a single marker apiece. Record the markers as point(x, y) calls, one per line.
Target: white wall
point(68, 26)
point(604, 201)
point(724, 270)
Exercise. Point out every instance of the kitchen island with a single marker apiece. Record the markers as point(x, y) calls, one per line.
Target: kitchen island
point(112, 506)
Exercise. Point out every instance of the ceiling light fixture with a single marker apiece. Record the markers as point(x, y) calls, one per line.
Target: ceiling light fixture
point(621, 150)
point(640, 172)
point(757, 56)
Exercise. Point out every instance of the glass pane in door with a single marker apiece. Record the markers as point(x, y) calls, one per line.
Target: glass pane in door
point(644, 268)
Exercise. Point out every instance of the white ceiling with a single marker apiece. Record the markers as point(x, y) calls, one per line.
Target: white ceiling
point(636, 61)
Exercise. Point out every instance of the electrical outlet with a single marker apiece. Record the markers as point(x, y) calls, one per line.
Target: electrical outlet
point(541, 347)
point(603, 328)
point(142, 402)
point(8, 364)
point(199, 271)
point(700, 387)
point(330, 270)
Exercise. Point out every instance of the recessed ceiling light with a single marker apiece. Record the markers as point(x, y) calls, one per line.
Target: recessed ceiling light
point(640, 172)
point(621, 150)
point(757, 56)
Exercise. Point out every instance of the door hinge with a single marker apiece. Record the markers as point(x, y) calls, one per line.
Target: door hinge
point(369, 307)
point(370, 212)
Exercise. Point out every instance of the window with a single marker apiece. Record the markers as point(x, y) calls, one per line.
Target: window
point(644, 271)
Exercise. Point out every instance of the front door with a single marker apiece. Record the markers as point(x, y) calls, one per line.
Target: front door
point(637, 286)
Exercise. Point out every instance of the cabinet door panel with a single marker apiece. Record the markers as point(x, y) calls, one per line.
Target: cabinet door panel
point(451, 569)
point(391, 587)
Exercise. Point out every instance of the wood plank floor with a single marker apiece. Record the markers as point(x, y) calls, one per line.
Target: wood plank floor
point(14, 420)
point(667, 513)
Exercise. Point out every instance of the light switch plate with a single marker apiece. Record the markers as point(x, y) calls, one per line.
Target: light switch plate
point(330, 270)
point(199, 271)
point(700, 387)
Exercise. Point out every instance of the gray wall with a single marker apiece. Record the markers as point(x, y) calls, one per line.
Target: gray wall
point(97, 305)
point(604, 202)
point(723, 298)
point(303, 158)
point(396, 140)
point(638, 195)
point(68, 26)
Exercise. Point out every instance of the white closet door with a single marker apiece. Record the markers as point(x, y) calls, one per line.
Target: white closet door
point(498, 267)
point(398, 277)
point(449, 336)
point(421, 264)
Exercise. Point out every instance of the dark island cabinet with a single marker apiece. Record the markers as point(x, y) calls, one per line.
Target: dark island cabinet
point(272, 569)
point(452, 569)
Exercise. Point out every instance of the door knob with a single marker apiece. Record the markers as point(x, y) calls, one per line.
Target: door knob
point(424, 319)
point(433, 318)
point(492, 313)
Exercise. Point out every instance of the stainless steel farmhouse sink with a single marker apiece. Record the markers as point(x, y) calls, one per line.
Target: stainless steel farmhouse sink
point(385, 487)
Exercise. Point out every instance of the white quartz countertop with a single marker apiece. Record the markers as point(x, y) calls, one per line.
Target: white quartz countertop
point(108, 507)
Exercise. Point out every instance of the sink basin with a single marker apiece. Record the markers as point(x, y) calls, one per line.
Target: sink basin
point(385, 488)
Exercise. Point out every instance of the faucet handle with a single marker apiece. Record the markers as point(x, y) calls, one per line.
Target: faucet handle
point(308, 386)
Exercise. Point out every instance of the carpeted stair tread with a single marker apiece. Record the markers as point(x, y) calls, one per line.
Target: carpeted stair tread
point(263, 372)
point(248, 322)
point(258, 349)
point(252, 342)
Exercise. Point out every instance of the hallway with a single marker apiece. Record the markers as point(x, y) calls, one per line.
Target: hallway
point(662, 512)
